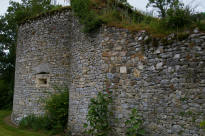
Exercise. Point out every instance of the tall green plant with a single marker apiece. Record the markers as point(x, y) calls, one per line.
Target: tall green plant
point(135, 124)
point(98, 115)
point(57, 107)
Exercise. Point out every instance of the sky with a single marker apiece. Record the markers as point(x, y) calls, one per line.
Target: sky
point(138, 4)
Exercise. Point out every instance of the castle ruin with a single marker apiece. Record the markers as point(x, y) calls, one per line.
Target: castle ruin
point(164, 81)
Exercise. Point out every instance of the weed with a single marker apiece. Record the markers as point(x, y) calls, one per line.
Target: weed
point(134, 124)
point(98, 115)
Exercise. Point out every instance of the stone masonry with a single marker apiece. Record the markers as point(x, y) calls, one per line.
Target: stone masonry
point(164, 79)
point(41, 63)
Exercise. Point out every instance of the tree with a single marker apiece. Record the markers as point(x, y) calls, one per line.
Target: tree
point(164, 5)
point(16, 12)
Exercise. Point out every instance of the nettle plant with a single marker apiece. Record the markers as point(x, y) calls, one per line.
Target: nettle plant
point(98, 115)
point(135, 124)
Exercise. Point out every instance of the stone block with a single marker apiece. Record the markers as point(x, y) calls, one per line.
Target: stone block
point(123, 69)
point(136, 73)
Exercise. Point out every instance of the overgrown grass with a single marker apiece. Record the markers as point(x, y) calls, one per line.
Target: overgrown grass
point(7, 130)
point(93, 13)
point(36, 123)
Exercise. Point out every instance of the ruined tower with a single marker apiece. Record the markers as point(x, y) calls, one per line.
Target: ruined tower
point(164, 79)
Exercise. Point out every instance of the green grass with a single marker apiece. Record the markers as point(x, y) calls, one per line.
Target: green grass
point(7, 130)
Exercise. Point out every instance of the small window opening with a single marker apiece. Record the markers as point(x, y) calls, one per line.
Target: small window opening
point(42, 81)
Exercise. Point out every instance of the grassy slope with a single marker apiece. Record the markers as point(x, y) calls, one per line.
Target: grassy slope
point(6, 130)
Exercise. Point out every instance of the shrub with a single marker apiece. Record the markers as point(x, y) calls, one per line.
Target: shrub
point(134, 124)
point(57, 109)
point(178, 18)
point(82, 9)
point(56, 116)
point(98, 115)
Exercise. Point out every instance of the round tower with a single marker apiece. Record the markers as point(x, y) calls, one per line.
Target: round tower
point(42, 61)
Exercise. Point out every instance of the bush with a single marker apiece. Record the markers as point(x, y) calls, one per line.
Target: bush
point(134, 124)
point(98, 115)
point(56, 116)
point(178, 18)
point(91, 22)
point(82, 9)
point(57, 109)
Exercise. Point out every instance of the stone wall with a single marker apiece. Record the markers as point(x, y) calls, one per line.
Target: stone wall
point(41, 62)
point(164, 79)
point(87, 77)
